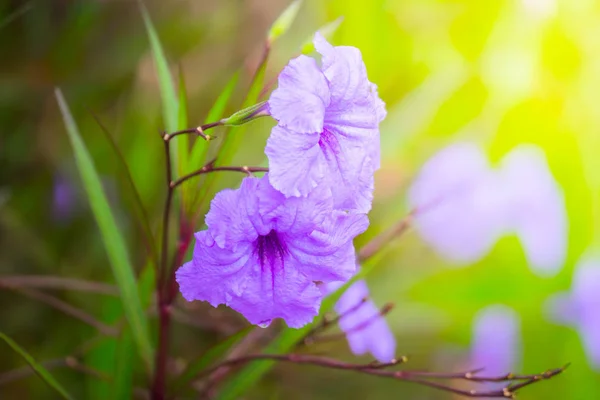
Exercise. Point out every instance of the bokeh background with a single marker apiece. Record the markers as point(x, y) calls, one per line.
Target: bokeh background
point(496, 72)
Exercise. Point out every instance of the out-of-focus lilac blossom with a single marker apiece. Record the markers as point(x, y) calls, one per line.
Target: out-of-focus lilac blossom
point(463, 206)
point(496, 342)
point(458, 211)
point(535, 208)
point(64, 199)
point(366, 329)
point(580, 307)
point(328, 122)
point(262, 252)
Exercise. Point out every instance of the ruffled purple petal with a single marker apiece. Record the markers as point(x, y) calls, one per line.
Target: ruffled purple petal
point(227, 219)
point(278, 290)
point(296, 162)
point(345, 72)
point(300, 100)
point(328, 254)
point(537, 208)
point(215, 274)
point(350, 173)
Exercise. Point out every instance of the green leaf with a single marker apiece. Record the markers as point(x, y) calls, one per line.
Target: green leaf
point(288, 338)
point(144, 221)
point(216, 112)
point(183, 142)
point(167, 89)
point(327, 30)
point(285, 20)
point(111, 236)
point(208, 358)
point(38, 368)
point(125, 364)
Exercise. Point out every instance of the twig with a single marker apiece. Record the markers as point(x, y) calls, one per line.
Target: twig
point(69, 310)
point(379, 241)
point(209, 168)
point(418, 377)
point(56, 282)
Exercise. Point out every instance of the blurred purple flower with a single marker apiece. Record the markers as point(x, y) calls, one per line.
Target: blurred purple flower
point(366, 329)
point(328, 122)
point(463, 206)
point(263, 252)
point(496, 342)
point(581, 307)
point(64, 199)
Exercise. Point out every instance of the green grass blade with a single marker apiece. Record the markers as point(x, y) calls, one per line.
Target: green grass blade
point(111, 236)
point(143, 219)
point(39, 369)
point(183, 142)
point(125, 364)
point(217, 111)
point(167, 89)
point(207, 359)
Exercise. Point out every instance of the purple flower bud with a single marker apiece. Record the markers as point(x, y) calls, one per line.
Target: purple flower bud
point(328, 120)
point(262, 252)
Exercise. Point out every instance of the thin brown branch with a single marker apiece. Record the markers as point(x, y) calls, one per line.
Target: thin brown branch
point(198, 131)
point(69, 310)
point(419, 377)
point(209, 168)
point(69, 362)
point(56, 282)
point(381, 240)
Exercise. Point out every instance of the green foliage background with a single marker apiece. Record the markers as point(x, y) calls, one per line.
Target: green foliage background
point(498, 72)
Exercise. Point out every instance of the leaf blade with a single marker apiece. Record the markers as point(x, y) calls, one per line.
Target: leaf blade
point(38, 368)
point(111, 236)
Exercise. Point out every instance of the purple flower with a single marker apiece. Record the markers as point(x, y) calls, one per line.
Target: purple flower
point(463, 206)
point(496, 342)
point(263, 252)
point(366, 329)
point(64, 199)
point(328, 123)
point(580, 308)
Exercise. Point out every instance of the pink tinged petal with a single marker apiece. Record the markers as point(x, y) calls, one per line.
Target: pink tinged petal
point(458, 203)
point(296, 162)
point(537, 208)
point(496, 341)
point(300, 100)
point(366, 330)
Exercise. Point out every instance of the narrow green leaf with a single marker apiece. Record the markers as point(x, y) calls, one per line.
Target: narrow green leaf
point(207, 359)
point(167, 89)
point(183, 142)
point(216, 112)
point(288, 338)
point(327, 30)
point(113, 240)
point(125, 364)
point(285, 20)
point(143, 219)
point(38, 368)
